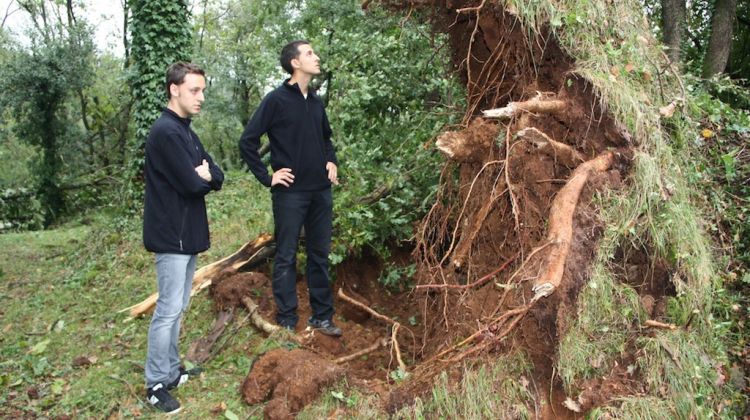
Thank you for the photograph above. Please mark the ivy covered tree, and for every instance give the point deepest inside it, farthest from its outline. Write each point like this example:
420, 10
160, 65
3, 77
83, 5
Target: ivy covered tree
160, 35
36, 83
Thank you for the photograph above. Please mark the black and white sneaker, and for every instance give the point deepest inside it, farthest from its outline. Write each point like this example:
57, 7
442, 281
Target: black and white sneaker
185, 375
325, 326
159, 397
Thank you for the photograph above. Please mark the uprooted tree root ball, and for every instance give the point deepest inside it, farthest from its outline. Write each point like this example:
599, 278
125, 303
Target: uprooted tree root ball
504, 251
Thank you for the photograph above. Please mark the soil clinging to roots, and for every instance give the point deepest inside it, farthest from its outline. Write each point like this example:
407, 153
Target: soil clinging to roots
505, 249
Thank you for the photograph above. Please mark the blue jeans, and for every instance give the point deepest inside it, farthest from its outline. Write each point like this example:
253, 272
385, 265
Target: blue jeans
174, 274
292, 211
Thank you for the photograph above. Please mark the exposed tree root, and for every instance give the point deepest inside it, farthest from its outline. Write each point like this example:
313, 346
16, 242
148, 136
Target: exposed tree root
380, 343
468, 145
535, 105
477, 283
562, 153
394, 331
561, 223
256, 318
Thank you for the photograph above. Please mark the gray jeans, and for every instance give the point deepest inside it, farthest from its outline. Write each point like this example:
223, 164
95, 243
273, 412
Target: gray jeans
174, 275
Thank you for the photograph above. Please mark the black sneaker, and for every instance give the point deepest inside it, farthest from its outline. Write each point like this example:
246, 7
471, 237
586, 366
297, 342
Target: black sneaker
325, 326
158, 396
185, 374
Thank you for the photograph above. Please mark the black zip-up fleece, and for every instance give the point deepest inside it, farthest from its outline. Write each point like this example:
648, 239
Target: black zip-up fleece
174, 214
300, 137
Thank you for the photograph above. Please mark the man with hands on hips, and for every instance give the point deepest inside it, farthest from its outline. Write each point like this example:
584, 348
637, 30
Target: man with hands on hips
304, 168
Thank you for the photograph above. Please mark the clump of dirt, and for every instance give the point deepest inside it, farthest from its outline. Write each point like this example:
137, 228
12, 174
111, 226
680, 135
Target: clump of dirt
291, 379
227, 291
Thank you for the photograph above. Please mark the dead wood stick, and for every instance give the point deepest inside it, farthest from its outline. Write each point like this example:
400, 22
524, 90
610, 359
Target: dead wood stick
562, 152
365, 308
656, 324
474, 284
381, 343
535, 105
200, 351
248, 253
396, 347
256, 318
561, 223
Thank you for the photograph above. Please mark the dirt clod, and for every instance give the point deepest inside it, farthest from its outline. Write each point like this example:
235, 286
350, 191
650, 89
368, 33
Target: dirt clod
289, 380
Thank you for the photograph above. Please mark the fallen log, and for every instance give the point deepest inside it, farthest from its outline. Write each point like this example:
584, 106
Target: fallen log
535, 105
561, 223
249, 255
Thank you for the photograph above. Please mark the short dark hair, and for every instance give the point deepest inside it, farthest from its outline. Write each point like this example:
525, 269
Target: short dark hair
177, 71
289, 53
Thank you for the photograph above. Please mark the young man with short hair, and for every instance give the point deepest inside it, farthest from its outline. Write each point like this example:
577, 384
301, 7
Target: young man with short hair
179, 173
304, 168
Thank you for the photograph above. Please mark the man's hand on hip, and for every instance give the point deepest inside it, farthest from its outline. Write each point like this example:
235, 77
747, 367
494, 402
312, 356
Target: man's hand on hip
283, 176
333, 175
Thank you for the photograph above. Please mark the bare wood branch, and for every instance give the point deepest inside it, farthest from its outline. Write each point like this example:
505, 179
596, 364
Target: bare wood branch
535, 105
656, 324
394, 341
378, 344
251, 252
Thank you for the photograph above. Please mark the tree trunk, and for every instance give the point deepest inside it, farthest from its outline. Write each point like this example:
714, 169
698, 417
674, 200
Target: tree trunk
720, 42
673, 26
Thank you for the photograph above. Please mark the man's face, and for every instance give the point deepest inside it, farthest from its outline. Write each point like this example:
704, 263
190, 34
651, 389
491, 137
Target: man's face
187, 97
307, 62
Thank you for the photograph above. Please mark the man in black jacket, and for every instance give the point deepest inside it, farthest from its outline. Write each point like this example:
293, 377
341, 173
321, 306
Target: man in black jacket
304, 167
179, 173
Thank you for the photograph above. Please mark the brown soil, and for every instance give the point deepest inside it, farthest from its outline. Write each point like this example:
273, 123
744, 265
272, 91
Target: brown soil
504, 66
289, 380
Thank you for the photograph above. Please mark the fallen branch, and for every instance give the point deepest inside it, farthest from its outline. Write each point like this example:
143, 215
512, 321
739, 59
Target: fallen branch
477, 283
381, 343
563, 153
535, 105
200, 351
656, 324
561, 223
256, 318
250, 254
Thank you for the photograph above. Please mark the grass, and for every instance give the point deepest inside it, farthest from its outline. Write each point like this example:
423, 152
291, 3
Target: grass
60, 291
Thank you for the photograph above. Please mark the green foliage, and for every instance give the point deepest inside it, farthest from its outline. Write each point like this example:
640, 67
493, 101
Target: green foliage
161, 35
35, 85
387, 99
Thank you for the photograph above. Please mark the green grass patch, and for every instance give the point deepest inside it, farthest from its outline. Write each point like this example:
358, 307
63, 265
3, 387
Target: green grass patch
61, 289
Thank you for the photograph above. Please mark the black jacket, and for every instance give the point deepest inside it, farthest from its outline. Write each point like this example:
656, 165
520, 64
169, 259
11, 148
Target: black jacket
300, 138
174, 215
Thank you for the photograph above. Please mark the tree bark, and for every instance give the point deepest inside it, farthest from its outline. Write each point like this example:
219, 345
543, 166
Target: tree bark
673, 26
720, 42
